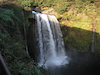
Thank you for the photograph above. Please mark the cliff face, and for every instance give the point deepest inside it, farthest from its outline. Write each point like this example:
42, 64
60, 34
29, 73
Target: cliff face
32, 41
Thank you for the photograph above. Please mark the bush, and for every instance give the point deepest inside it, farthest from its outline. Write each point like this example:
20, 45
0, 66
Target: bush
12, 45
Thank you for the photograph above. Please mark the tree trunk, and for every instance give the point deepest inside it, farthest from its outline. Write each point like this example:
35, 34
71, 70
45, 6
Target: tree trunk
93, 37
25, 37
3, 68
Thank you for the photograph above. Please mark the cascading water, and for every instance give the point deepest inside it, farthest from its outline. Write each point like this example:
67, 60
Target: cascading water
52, 51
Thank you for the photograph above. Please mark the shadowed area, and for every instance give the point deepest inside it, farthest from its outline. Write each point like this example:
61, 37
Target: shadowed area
78, 48
82, 61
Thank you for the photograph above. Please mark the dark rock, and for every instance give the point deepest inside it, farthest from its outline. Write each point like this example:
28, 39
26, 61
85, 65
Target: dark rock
32, 40
91, 1
37, 10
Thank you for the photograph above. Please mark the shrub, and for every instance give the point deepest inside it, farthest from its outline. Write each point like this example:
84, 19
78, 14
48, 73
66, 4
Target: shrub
12, 43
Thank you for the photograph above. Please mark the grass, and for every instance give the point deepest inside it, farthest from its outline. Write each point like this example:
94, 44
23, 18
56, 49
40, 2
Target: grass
78, 20
77, 17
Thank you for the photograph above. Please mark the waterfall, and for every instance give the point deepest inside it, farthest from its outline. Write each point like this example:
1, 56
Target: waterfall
51, 45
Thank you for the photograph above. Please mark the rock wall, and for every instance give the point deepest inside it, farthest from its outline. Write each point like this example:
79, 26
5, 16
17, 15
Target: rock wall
32, 40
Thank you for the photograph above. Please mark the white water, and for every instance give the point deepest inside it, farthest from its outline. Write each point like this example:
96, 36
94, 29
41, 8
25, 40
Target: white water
40, 38
50, 42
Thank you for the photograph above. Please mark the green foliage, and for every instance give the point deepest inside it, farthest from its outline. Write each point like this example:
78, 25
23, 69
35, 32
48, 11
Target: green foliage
48, 3
76, 39
26, 67
25, 3
78, 21
12, 43
60, 6
97, 43
28, 3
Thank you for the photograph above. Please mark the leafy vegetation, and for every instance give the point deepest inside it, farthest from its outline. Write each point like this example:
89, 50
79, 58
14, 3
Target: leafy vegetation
75, 16
12, 42
79, 19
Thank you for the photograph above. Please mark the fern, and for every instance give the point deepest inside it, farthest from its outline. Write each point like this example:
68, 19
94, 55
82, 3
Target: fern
6, 16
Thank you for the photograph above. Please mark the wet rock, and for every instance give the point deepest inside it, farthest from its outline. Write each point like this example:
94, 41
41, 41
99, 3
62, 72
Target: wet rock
32, 40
